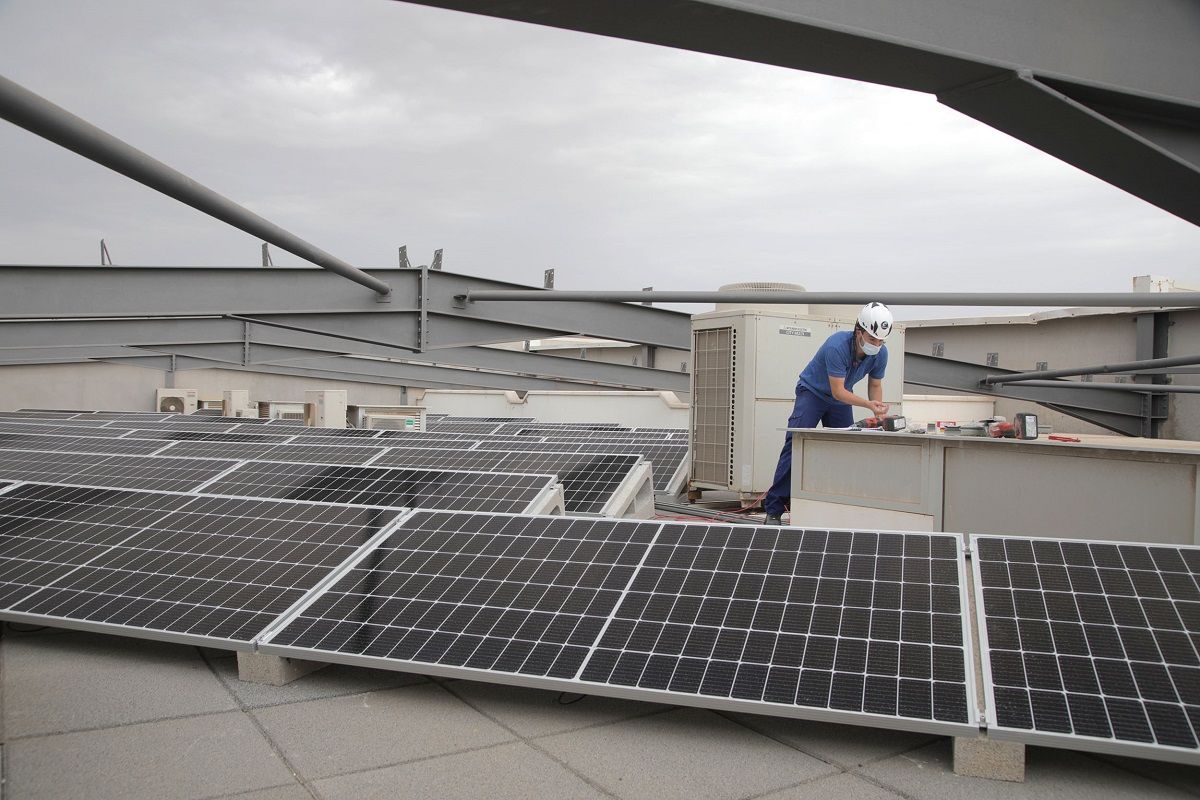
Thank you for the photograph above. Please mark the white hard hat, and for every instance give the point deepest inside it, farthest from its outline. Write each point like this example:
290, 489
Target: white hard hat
876, 319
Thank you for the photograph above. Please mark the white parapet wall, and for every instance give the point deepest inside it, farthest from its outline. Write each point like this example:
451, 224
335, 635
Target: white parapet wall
631, 409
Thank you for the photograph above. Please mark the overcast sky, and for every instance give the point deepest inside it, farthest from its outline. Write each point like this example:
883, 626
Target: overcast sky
363, 125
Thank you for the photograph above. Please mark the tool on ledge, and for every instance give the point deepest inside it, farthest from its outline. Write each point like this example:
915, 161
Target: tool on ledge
1058, 437
891, 424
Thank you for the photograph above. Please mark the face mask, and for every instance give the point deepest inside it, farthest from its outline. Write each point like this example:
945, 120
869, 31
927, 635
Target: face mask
871, 349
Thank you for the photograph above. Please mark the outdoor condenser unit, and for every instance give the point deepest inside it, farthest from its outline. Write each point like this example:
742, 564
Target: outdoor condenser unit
405, 418
280, 409
325, 408
744, 369
176, 401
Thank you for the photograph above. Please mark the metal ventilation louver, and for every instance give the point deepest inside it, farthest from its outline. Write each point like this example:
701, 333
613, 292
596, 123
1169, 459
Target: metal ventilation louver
714, 359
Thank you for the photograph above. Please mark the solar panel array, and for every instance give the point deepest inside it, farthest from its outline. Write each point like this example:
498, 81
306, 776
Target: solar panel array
857, 627
168, 565
1086, 645
241, 439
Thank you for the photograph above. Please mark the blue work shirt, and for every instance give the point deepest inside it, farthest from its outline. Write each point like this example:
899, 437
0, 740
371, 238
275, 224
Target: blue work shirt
836, 358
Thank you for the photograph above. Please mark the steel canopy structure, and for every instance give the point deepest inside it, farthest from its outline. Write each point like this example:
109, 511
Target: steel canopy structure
1111, 92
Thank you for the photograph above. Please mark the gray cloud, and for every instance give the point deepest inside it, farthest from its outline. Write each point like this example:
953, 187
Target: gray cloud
365, 125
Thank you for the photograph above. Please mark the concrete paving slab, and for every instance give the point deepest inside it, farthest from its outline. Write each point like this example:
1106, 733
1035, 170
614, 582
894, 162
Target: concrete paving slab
927, 774
179, 759
685, 753
847, 745
293, 792
513, 771
843, 786
1180, 776
339, 735
535, 712
332, 681
78, 681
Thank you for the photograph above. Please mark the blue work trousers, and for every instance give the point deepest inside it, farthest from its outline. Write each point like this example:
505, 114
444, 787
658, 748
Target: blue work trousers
809, 410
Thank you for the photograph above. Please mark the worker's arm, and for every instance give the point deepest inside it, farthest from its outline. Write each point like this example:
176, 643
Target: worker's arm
875, 394
837, 387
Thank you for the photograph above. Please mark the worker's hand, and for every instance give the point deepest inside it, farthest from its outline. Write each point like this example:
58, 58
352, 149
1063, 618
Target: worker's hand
880, 408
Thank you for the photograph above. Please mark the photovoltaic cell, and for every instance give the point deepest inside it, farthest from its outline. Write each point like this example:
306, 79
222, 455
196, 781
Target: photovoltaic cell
588, 480
1091, 645
524, 595
392, 488
173, 566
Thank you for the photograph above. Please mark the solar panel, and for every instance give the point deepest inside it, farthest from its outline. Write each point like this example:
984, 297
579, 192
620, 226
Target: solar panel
214, 417
146, 416
588, 480
168, 566
857, 627
151, 425
555, 427
175, 434
78, 444
379, 486
666, 458
23, 414
442, 426
857, 622
61, 428
523, 595
355, 433
46, 532
323, 453
1091, 645
110, 471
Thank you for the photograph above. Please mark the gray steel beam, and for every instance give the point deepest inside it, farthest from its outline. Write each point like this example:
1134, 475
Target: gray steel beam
1116, 97
397, 374
177, 335
314, 299
34, 113
1080, 299
1127, 366
1117, 411
400, 375
1144, 388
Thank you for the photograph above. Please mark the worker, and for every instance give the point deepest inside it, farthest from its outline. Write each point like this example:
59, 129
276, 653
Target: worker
824, 392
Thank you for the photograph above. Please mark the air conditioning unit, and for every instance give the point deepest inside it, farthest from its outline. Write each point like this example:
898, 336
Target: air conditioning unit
325, 408
408, 418
236, 403
745, 363
396, 422
177, 401
280, 409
